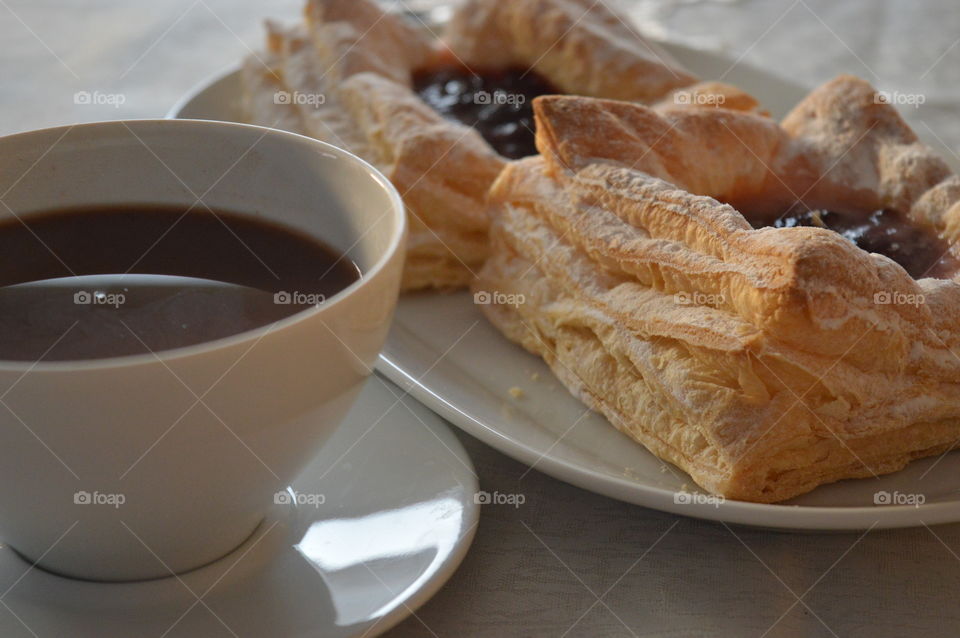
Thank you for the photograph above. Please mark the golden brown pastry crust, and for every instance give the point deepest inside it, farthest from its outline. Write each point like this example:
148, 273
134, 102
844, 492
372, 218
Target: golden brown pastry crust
344, 62
763, 362
361, 60
581, 46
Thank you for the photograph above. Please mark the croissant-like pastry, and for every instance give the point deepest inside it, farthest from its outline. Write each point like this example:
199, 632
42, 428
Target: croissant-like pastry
359, 78
762, 361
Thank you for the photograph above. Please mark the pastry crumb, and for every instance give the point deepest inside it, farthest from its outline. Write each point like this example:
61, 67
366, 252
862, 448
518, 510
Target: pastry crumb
535, 376
516, 393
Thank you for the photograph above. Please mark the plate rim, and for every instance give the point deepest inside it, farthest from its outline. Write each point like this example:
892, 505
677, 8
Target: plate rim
782, 517
229, 72
761, 515
407, 608
128, 597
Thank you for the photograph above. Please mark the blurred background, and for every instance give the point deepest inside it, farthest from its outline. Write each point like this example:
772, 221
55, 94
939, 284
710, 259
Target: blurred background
153, 52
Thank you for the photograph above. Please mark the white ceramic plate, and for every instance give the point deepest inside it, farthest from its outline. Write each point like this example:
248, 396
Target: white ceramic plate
444, 352
376, 534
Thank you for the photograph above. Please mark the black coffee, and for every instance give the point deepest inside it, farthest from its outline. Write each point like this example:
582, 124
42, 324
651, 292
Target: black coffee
105, 282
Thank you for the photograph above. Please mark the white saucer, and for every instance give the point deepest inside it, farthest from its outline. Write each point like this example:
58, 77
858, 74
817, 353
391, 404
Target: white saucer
398, 513
447, 355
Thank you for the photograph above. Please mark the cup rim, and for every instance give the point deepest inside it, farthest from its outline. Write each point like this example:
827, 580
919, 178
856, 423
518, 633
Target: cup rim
395, 244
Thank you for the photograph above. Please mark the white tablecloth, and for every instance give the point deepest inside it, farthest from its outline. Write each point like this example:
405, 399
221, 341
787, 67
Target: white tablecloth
569, 562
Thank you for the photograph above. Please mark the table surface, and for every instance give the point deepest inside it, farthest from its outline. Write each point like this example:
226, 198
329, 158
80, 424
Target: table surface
568, 562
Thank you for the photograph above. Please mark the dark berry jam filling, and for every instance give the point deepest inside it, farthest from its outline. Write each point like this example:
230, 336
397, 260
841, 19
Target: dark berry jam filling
496, 103
921, 252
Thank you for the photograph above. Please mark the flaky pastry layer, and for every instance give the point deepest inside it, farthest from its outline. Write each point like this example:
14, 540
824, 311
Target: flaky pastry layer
764, 362
361, 60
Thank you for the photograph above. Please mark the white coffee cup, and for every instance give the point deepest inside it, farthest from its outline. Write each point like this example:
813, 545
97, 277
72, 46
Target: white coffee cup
141, 466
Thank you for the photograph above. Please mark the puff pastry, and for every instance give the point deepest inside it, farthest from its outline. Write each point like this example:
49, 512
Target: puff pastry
350, 75
762, 361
